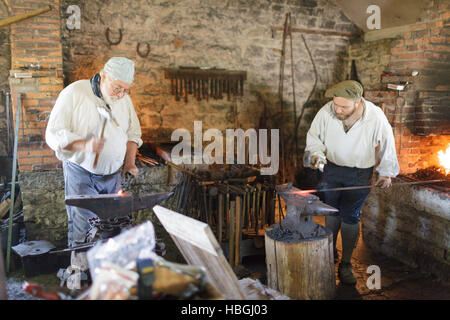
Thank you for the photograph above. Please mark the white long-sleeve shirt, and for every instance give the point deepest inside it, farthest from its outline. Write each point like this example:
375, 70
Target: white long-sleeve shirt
356, 147
75, 116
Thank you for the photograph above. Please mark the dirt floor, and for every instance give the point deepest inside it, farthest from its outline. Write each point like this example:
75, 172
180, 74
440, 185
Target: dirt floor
398, 282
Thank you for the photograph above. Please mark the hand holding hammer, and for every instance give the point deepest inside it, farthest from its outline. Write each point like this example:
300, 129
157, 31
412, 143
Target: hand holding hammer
106, 115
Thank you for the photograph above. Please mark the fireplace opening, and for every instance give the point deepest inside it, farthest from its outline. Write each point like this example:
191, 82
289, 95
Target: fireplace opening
440, 171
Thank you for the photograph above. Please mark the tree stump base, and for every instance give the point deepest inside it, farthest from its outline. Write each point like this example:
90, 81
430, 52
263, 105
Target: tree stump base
301, 269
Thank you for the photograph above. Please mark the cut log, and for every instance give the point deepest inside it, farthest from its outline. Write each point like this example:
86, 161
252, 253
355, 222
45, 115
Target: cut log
302, 269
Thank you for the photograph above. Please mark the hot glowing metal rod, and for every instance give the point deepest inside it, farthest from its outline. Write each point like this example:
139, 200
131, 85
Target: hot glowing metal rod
364, 187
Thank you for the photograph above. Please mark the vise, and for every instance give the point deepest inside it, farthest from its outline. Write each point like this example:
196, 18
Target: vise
301, 208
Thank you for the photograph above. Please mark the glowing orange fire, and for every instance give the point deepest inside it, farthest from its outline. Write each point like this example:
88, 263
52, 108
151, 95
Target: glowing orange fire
120, 193
304, 193
444, 159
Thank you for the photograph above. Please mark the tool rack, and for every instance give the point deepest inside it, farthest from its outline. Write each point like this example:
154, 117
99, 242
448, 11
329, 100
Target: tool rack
237, 210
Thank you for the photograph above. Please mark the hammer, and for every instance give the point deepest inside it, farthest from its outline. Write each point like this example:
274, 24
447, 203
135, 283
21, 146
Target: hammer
106, 115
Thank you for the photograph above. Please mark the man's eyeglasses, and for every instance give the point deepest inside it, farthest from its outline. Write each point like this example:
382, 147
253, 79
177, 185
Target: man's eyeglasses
118, 89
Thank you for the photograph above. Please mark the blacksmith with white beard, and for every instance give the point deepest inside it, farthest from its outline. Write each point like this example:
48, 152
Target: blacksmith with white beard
348, 138
74, 133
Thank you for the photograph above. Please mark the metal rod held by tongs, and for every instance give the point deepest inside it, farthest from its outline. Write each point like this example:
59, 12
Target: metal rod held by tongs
365, 187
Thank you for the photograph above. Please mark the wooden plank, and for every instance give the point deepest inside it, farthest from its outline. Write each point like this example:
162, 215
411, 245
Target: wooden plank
318, 31
188, 229
385, 33
20, 17
199, 247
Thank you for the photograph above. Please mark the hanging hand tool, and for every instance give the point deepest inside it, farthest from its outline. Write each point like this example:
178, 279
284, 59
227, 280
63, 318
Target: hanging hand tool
263, 214
176, 90
181, 87
258, 195
231, 238
238, 230
185, 91
254, 208
220, 222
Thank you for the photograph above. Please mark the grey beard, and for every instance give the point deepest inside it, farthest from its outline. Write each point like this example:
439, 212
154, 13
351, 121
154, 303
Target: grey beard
108, 99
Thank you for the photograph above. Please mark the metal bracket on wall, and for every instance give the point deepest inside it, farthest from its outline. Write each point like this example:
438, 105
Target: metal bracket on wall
109, 40
143, 54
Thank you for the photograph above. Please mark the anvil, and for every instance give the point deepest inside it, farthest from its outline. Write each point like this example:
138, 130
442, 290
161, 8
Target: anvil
300, 209
117, 205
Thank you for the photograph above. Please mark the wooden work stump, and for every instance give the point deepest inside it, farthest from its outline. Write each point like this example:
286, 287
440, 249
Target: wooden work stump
302, 269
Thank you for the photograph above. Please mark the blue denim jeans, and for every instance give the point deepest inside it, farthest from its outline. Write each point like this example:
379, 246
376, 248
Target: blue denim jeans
79, 181
348, 202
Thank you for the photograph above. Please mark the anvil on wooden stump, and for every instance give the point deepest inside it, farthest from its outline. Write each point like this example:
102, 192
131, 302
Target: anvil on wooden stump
300, 211
299, 252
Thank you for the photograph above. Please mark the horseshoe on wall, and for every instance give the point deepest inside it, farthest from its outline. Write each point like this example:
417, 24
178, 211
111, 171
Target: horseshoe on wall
138, 50
109, 40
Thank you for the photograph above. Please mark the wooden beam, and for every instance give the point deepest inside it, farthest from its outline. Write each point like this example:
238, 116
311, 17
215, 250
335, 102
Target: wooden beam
199, 247
385, 33
318, 31
20, 17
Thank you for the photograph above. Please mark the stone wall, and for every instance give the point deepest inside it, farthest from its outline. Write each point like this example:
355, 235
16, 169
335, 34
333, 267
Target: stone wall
371, 60
410, 224
230, 34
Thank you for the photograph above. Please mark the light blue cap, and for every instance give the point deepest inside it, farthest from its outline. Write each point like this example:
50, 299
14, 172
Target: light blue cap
120, 68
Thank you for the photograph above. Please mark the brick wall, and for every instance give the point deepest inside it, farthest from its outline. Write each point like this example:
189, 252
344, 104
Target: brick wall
5, 64
422, 125
420, 114
411, 223
36, 41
